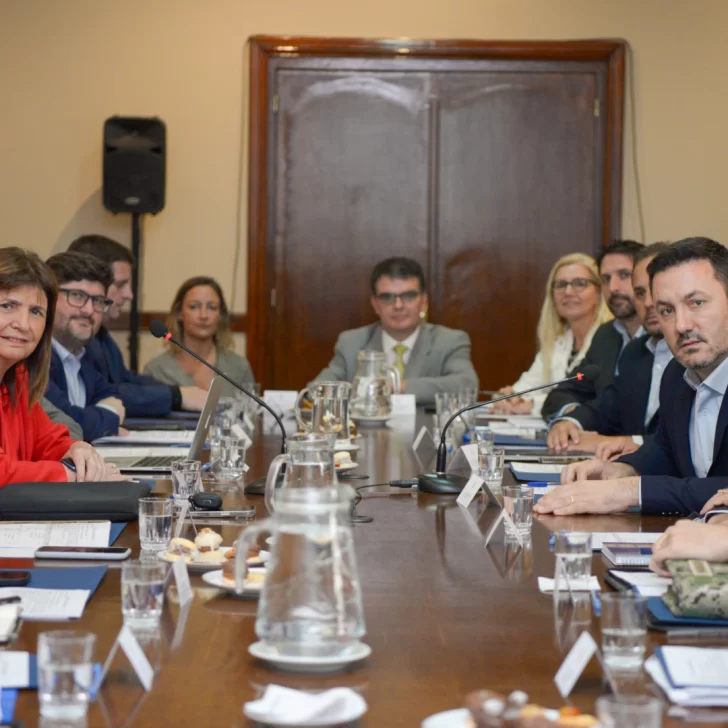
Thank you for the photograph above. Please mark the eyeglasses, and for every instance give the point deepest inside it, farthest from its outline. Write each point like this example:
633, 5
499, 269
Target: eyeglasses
578, 284
78, 299
389, 299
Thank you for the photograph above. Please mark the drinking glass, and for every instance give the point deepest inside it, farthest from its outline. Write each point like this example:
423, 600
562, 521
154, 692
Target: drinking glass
231, 458
186, 479
518, 502
65, 666
466, 397
486, 442
629, 711
624, 630
574, 550
142, 593
155, 523
491, 467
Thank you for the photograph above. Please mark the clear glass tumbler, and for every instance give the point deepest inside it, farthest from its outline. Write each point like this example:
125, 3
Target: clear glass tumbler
518, 502
155, 523
574, 550
231, 459
624, 630
186, 478
142, 593
491, 467
65, 667
629, 711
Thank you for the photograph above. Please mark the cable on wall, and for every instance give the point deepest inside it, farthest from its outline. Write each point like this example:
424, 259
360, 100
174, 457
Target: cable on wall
635, 161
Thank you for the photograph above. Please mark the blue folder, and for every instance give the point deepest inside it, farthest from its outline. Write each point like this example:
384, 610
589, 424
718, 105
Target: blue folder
116, 529
82, 577
502, 440
665, 618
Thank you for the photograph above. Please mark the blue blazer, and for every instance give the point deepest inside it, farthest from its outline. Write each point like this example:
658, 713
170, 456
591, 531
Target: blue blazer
669, 483
620, 408
95, 421
142, 396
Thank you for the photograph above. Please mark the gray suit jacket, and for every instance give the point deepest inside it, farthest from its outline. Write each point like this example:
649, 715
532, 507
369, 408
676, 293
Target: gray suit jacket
439, 362
58, 417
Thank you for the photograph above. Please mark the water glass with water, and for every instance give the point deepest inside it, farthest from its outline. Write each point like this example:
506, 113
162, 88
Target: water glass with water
629, 711
142, 593
230, 458
491, 467
486, 442
65, 667
624, 630
574, 550
186, 478
518, 502
155, 523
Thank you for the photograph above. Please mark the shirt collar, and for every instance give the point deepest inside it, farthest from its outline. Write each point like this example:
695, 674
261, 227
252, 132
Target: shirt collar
717, 381
622, 329
654, 345
388, 342
65, 354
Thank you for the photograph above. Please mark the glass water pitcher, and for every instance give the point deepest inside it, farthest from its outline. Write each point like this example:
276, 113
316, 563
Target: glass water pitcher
311, 603
373, 385
330, 414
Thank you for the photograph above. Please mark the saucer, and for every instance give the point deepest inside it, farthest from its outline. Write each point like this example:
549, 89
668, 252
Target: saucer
357, 651
373, 420
460, 718
344, 447
344, 468
216, 578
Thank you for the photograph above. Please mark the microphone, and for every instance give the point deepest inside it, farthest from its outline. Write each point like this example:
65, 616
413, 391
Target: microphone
443, 483
158, 329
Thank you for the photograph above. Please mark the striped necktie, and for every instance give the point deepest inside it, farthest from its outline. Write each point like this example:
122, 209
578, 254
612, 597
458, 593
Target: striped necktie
399, 350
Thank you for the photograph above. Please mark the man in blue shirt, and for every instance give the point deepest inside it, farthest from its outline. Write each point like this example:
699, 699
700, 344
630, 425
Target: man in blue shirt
143, 396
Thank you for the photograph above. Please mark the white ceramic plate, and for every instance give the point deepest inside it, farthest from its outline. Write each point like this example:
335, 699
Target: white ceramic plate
460, 718
377, 419
199, 567
351, 447
215, 578
344, 468
357, 651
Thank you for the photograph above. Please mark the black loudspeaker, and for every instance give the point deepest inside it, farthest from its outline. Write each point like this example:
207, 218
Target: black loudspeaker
134, 164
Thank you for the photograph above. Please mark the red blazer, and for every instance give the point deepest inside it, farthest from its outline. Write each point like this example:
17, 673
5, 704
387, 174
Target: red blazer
31, 446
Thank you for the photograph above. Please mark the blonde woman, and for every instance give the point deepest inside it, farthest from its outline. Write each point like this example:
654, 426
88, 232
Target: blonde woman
200, 320
572, 311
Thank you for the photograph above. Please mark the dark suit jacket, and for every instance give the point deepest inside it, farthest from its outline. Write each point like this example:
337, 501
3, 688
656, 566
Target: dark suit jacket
142, 396
604, 352
95, 421
620, 408
669, 483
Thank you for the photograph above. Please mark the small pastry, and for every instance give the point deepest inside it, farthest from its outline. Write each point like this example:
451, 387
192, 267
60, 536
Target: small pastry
342, 458
207, 540
209, 557
174, 557
181, 546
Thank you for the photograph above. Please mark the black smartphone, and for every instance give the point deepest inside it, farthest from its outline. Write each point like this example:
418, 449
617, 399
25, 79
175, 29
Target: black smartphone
14, 578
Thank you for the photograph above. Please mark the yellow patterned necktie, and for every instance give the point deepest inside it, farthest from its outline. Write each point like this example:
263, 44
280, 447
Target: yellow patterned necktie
399, 350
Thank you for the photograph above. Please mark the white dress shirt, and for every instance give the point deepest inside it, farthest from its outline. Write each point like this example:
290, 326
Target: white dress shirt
72, 368
662, 357
388, 344
626, 338
704, 415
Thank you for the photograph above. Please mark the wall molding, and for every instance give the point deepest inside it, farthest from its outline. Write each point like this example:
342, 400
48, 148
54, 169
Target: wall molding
239, 321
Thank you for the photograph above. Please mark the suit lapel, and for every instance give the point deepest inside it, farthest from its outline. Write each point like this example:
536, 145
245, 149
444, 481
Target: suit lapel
643, 382
375, 339
58, 373
683, 405
420, 352
720, 430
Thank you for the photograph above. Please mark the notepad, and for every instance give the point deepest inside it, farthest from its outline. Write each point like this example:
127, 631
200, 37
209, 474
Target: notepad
644, 583
536, 471
49, 604
622, 537
21, 539
627, 554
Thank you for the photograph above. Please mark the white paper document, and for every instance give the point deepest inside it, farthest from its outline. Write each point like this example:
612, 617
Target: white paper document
33, 535
613, 537
14, 669
546, 585
149, 437
139, 451
49, 604
645, 582
710, 667
527, 422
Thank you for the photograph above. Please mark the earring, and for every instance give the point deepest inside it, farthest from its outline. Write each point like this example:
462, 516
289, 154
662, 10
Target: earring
423, 315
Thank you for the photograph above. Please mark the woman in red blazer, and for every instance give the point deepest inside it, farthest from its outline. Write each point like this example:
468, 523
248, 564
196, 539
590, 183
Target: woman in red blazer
31, 446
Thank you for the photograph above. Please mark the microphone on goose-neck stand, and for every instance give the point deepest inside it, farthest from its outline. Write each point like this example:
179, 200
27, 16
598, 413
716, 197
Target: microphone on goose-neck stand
158, 329
442, 482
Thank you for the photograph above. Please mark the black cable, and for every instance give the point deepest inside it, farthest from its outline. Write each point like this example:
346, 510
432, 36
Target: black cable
355, 517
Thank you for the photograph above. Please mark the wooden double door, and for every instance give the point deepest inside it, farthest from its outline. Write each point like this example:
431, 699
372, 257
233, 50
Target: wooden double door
484, 162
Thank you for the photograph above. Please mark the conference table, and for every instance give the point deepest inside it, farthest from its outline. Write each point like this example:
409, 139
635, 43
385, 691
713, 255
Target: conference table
445, 615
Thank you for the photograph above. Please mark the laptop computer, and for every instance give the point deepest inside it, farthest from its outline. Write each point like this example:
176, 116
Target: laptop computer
159, 460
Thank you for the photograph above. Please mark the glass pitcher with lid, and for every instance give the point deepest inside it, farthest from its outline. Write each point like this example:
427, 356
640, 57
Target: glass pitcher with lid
330, 413
310, 604
373, 385
309, 463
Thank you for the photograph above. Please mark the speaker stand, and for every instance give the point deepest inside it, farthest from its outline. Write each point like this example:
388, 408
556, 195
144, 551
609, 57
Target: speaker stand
136, 244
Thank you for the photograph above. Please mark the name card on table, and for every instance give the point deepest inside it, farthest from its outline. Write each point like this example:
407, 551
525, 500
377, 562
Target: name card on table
505, 519
281, 401
404, 405
181, 518
471, 489
182, 579
424, 440
239, 431
575, 663
465, 458
139, 661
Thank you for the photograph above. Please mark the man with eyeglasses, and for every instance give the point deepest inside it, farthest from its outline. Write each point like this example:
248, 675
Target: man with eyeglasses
429, 358
76, 386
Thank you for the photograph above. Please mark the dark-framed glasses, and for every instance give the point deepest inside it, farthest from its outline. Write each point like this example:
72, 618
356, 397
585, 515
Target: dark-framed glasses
78, 299
578, 284
389, 299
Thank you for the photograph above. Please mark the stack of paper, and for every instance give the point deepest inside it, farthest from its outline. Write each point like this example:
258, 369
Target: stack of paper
21, 539
537, 472
49, 604
691, 676
613, 537
644, 583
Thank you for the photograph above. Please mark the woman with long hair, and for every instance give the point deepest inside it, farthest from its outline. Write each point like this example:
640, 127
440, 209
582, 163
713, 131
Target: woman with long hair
572, 311
200, 319
31, 446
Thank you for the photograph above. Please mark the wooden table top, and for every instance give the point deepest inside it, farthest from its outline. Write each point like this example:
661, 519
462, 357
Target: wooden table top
444, 614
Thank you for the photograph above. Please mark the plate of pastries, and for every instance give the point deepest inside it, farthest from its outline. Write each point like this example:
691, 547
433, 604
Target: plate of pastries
225, 578
206, 552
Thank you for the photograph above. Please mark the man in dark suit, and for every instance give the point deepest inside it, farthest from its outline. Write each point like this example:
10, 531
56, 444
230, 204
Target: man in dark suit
429, 358
627, 409
142, 396
75, 386
686, 462
615, 262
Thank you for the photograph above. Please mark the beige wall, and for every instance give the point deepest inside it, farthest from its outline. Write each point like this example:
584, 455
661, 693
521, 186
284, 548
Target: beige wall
66, 65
